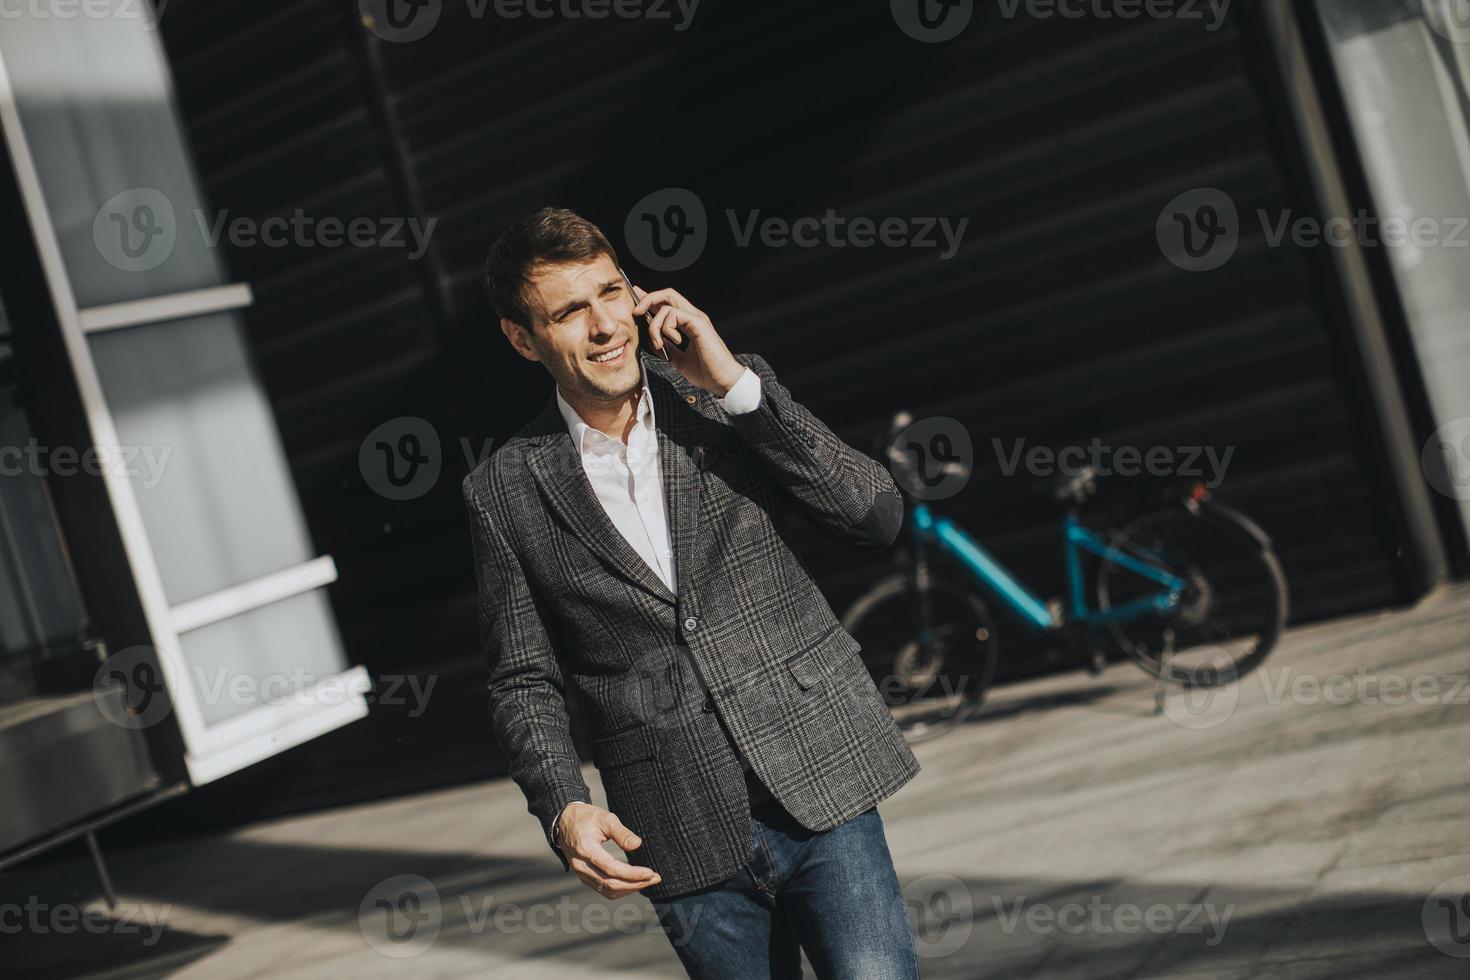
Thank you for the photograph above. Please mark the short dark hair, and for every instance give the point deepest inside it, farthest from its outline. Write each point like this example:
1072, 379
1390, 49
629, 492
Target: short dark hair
548, 235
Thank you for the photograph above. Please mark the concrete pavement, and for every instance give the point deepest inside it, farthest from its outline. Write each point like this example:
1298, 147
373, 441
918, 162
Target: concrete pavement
1298, 825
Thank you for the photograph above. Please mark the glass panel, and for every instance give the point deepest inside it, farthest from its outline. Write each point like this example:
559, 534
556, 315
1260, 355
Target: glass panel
1406, 81
208, 469
263, 655
198, 441
95, 101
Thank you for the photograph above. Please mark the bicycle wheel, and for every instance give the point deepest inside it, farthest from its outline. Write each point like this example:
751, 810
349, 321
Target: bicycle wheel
930, 686
1231, 609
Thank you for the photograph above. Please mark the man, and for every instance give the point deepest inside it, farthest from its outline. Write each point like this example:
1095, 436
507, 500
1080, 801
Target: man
631, 542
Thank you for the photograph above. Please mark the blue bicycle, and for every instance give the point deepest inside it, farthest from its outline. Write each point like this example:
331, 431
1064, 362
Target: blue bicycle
1192, 592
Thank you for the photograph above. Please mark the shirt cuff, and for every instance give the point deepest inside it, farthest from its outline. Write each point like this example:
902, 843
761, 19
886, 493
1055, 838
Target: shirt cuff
744, 396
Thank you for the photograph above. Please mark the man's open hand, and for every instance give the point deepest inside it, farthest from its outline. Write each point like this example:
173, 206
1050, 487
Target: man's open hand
706, 361
583, 828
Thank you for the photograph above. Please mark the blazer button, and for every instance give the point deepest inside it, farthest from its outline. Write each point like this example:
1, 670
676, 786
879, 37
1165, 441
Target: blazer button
691, 624
709, 704
691, 399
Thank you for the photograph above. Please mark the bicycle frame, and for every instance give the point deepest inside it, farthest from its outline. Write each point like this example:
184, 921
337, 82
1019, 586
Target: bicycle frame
949, 537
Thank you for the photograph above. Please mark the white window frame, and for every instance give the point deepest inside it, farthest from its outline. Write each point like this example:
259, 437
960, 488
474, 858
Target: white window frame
211, 750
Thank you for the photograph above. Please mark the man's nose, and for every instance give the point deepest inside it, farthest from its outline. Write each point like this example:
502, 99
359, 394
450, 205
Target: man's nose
603, 321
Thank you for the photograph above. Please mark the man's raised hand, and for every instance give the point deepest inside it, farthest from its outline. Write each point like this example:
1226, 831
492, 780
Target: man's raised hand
706, 361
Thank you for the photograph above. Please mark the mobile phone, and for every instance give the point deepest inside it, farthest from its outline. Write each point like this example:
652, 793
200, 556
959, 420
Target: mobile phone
645, 321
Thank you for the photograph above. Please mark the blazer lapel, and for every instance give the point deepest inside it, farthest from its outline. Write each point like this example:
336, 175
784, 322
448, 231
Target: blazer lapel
558, 472
678, 438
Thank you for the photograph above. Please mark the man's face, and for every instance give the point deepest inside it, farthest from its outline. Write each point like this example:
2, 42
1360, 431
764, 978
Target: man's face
581, 328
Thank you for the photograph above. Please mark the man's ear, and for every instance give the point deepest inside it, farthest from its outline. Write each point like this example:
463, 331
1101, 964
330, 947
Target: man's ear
519, 339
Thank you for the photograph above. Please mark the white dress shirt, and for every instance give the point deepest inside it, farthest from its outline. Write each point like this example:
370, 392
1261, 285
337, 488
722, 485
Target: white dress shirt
628, 478
628, 481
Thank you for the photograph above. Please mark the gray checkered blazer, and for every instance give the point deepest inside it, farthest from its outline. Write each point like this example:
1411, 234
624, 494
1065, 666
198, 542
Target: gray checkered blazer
748, 653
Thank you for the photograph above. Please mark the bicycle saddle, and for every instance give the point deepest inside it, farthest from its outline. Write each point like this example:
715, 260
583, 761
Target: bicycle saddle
1076, 486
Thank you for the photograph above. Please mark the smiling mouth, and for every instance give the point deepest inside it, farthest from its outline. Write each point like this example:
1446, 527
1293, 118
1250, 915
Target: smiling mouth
611, 356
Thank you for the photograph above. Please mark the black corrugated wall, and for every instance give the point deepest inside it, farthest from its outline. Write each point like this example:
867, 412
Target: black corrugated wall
1058, 321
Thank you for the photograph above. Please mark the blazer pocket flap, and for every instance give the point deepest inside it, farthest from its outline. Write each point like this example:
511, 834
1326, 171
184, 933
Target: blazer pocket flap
818, 660
623, 748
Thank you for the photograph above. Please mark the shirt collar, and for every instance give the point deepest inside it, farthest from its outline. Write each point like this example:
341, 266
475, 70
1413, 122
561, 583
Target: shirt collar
586, 436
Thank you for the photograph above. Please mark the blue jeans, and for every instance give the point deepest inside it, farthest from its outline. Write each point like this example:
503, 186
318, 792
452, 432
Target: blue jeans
832, 893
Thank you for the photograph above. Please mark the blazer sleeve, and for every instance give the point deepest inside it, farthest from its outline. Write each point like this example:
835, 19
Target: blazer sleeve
528, 712
845, 493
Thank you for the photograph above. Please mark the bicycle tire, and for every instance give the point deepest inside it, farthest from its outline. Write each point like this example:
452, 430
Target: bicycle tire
886, 604
1259, 564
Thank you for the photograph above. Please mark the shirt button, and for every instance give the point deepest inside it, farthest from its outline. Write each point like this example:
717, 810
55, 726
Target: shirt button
692, 623
668, 554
